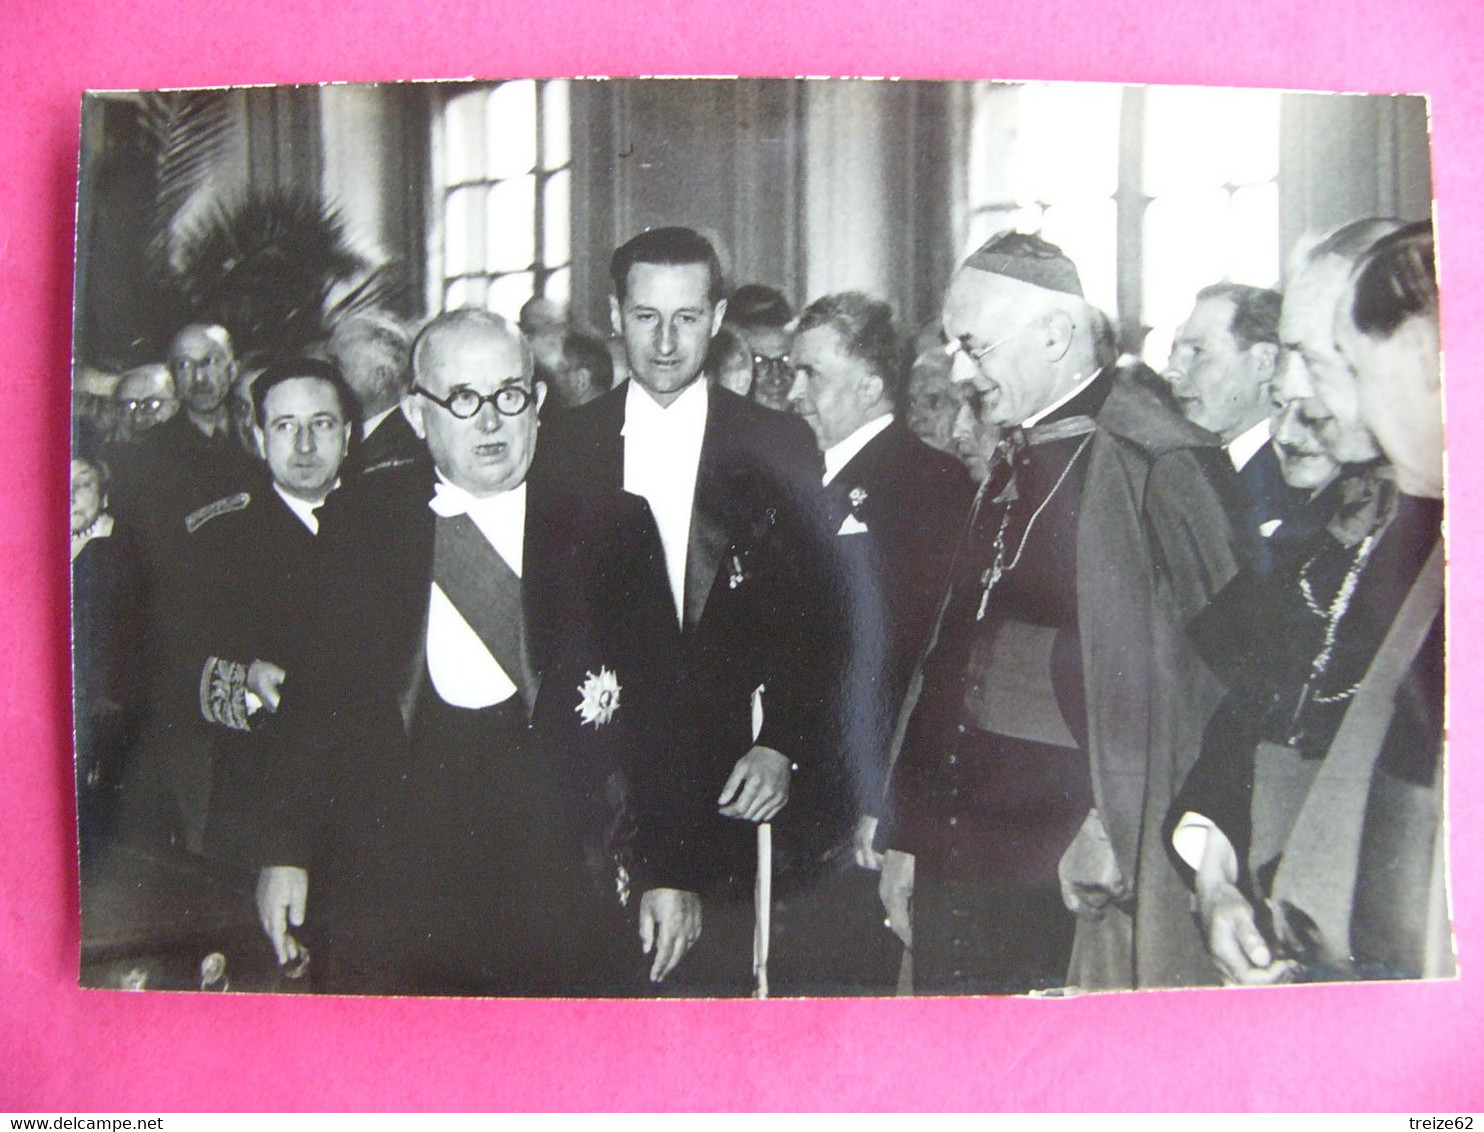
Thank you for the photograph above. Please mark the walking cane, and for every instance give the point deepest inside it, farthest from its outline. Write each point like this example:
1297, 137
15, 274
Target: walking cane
762, 892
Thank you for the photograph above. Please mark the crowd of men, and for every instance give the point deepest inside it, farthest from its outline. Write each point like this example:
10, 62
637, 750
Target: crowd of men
501, 660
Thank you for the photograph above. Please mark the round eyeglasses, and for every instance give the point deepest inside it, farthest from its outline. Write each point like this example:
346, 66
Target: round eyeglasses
508, 401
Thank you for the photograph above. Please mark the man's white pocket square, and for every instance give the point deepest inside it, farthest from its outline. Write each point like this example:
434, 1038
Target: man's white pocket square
852, 526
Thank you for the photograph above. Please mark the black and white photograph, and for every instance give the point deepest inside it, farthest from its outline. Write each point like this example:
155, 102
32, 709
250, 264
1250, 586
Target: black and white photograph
723, 538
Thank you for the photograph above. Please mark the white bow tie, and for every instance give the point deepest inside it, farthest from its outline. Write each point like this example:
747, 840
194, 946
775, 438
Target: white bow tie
449, 501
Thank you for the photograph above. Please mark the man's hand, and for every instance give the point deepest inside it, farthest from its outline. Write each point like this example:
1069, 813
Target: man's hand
669, 925
1089, 872
1236, 945
1233, 938
758, 787
265, 680
865, 844
283, 893
898, 871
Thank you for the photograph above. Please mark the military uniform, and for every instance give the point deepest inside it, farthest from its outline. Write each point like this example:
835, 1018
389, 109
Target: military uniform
174, 472
258, 580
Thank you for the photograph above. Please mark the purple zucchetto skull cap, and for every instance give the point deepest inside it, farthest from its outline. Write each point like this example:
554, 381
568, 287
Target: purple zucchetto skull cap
1030, 259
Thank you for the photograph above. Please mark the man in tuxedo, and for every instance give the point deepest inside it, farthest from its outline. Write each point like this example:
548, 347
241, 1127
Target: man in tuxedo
374, 354
446, 765
732, 487
894, 508
1220, 373
1060, 704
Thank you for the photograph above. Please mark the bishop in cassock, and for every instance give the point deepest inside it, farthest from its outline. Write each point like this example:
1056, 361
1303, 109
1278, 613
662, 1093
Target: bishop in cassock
1059, 698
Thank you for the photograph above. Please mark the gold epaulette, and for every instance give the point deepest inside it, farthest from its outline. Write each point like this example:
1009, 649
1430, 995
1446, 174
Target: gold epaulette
203, 515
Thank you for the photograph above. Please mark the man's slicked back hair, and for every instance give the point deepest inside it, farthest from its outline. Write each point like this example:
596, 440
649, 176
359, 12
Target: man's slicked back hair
669, 247
281, 370
386, 337
1255, 311
1396, 281
754, 305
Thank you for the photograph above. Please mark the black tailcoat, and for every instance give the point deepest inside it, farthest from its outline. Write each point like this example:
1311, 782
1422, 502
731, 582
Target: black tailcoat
346, 773
754, 616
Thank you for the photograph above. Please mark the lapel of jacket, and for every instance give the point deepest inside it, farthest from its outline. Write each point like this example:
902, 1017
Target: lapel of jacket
607, 453
415, 573
871, 465
713, 511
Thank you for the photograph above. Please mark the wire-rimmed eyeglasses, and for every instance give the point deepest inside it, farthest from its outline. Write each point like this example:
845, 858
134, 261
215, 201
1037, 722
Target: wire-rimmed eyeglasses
508, 401
955, 346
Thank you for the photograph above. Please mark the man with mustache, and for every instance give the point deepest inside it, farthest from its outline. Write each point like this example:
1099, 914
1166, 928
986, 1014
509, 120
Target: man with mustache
162, 483
1303, 655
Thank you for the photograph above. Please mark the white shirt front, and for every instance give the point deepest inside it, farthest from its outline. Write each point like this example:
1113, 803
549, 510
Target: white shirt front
304, 509
1250, 443
464, 672
838, 455
661, 458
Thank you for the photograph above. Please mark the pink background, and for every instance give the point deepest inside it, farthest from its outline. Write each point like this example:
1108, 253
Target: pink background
1374, 1047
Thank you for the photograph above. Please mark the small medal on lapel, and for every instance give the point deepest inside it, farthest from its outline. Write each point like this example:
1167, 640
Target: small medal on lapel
735, 575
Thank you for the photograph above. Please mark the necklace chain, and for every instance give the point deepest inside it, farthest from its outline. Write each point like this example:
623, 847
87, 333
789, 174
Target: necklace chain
998, 569
1332, 615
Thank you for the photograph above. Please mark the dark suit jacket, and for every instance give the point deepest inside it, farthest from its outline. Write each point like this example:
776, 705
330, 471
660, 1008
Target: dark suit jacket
753, 617
1268, 498
339, 769
392, 444
1261, 639
894, 515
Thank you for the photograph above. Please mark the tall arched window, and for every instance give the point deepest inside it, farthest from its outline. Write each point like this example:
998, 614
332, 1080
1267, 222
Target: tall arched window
502, 173
1154, 192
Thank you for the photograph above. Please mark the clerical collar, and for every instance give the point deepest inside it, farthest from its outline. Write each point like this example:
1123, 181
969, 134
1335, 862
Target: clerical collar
839, 455
1036, 418
1246, 446
371, 424
101, 527
642, 413
304, 509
